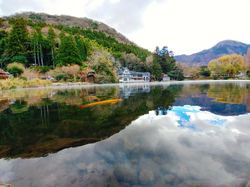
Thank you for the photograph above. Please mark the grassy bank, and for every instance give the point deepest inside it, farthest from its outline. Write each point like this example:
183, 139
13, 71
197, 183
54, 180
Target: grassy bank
16, 83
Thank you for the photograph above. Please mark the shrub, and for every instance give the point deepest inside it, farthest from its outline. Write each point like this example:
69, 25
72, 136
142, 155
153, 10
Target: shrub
62, 77
42, 69
15, 68
30, 74
70, 80
24, 78
94, 25
65, 72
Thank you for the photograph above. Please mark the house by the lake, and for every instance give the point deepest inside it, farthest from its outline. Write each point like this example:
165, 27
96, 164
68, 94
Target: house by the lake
5, 75
125, 75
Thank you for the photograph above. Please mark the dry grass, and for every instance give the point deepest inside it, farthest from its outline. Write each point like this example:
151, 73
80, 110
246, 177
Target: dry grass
16, 83
31, 74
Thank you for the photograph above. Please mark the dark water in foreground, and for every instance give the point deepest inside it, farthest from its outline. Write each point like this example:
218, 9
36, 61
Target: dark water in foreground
127, 135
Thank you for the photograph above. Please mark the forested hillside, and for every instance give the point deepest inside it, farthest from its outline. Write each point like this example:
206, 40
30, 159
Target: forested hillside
47, 42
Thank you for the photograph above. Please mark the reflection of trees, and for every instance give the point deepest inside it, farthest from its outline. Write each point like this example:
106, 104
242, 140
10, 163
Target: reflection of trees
49, 126
228, 93
230, 98
224, 93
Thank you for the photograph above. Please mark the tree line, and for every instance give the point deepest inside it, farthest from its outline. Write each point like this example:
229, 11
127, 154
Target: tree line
74, 45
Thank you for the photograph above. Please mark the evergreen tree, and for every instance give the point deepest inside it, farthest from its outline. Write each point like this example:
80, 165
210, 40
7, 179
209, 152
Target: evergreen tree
156, 70
83, 46
167, 64
52, 42
62, 35
68, 52
18, 42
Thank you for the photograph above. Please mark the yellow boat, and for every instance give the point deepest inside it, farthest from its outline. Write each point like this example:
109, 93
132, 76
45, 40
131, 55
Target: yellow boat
112, 101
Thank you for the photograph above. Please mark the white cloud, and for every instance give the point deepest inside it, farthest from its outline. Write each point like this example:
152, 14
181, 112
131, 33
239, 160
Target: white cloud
190, 26
94, 4
114, 1
184, 26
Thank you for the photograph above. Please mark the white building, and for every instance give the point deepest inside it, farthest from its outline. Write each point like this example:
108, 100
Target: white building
125, 75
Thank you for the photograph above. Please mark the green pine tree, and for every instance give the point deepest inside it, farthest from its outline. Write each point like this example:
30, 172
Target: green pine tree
156, 70
62, 35
18, 42
68, 53
83, 46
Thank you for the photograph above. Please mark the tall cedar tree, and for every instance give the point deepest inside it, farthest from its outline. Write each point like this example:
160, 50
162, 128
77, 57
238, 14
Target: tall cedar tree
83, 46
68, 53
62, 35
18, 41
52, 43
39, 43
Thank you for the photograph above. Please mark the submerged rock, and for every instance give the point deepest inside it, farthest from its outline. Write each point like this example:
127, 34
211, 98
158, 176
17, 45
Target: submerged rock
125, 173
129, 145
169, 178
90, 168
146, 176
81, 166
158, 160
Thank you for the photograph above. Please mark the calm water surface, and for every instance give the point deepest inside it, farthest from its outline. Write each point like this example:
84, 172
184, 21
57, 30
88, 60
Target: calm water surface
127, 135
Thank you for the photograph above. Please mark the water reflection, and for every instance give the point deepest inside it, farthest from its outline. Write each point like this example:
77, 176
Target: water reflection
153, 150
127, 90
38, 123
154, 135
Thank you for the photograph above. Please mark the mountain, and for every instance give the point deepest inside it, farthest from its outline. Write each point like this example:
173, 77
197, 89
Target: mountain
71, 21
93, 44
226, 47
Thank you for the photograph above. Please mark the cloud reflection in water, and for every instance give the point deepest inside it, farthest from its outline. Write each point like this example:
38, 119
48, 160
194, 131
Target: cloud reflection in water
185, 146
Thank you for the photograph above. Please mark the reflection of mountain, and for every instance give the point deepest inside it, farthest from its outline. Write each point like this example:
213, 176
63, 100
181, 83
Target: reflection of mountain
207, 104
127, 90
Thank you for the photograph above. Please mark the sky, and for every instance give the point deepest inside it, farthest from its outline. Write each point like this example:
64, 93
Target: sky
184, 26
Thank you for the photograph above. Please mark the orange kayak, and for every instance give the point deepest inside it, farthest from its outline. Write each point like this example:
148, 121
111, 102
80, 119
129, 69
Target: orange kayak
112, 101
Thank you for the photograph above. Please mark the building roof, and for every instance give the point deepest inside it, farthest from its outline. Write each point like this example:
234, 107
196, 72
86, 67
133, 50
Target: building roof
123, 69
131, 72
3, 72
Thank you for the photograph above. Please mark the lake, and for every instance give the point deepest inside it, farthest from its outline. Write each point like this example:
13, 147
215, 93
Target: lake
156, 134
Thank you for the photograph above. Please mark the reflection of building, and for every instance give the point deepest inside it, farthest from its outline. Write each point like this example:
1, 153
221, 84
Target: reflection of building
127, 90
125, 75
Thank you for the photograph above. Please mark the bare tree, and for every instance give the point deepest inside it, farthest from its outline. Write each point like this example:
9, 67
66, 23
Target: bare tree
185, 67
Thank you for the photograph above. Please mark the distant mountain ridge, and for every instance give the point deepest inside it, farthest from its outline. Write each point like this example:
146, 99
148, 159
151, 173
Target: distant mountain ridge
70, 21
226, 47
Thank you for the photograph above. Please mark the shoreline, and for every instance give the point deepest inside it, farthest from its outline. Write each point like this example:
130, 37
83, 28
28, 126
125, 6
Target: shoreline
79, 84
